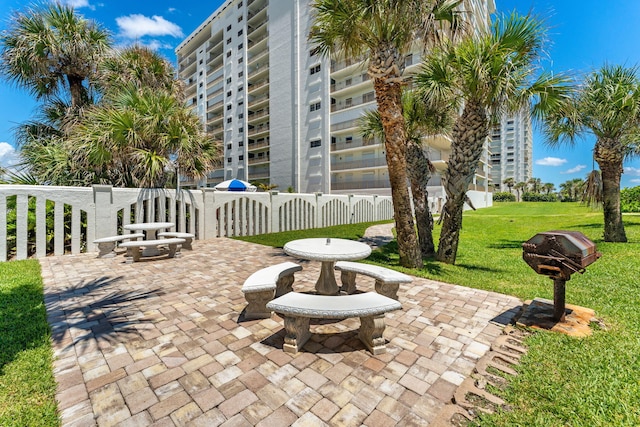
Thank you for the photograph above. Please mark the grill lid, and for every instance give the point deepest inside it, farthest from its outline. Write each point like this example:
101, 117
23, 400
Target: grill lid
559, 253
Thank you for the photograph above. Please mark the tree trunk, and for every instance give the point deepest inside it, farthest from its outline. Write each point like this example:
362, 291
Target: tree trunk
78, 91
608, 154
419, 175
388, 90
469, 134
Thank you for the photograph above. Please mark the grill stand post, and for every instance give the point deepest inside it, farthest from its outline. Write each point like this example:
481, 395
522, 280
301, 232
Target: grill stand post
558, 299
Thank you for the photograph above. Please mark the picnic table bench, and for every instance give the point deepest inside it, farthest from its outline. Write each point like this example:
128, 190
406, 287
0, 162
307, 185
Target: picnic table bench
107, 245
265, 284
188, 237
387, 280
133, 247
298, 308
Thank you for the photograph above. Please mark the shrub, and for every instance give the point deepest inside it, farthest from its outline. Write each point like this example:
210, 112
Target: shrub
630, 199
537, 197
503, 196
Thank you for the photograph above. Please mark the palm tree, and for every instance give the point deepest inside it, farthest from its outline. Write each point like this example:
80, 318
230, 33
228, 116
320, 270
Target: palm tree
489, 74
420, 121
50, 50
383, 32
572, 189
509, 182
548, 187
132, 138
606, 105
520, 186
535, 184
43, 153
140, 66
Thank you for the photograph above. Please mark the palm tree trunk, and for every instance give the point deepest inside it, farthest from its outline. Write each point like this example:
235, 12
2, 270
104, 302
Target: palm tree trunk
469, 134
388, 96
78, 92
419, 174
609, 158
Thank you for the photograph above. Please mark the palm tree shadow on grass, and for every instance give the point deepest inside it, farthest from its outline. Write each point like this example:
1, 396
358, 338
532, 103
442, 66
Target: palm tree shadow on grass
109, 314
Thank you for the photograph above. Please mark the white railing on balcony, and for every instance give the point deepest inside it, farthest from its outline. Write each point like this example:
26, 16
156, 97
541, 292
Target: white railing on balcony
46, 220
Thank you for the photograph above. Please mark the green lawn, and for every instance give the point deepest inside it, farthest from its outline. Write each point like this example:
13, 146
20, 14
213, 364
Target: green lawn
27, 386
562, 381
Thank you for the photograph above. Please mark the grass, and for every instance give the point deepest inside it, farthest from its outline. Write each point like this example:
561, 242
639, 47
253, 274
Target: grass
562, 381
27, 386
277, 240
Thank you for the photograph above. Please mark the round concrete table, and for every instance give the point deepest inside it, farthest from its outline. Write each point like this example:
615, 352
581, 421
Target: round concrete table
150, 229
327, 251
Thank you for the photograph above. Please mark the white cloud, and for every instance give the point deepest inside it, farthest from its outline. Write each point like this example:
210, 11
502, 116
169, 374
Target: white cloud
632, 171
8, 155
575, 169
635, 181
136, 26
77, 4
157, 45
551, 161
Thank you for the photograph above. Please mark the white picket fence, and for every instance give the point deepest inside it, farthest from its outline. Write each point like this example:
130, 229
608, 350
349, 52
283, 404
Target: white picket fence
44, 220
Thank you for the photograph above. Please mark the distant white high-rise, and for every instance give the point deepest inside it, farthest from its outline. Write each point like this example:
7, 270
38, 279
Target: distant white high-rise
512, 150
287, 116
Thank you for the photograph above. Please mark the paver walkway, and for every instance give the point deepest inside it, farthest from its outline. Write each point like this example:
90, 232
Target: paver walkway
162, 342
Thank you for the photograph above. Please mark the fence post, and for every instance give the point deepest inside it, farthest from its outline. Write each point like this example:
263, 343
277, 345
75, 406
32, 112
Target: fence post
209, 219
106, 224
275, 214
318, 218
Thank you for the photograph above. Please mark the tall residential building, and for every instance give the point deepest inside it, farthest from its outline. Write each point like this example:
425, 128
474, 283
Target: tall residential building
512, 150
287, 116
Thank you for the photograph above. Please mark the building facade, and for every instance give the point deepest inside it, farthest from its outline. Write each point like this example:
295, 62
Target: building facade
512, 150
287, 116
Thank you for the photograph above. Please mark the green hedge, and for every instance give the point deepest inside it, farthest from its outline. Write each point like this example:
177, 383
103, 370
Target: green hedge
503, 196
536, 197
630, 199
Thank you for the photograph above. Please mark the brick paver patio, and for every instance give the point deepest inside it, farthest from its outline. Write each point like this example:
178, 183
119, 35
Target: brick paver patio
162, 342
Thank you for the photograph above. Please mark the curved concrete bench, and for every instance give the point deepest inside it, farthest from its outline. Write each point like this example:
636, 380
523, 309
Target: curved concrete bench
263, 285
387, 280
297, 308
188, 237
107, 245
133, 248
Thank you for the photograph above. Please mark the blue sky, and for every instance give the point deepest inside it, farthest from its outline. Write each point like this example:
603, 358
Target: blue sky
583, 36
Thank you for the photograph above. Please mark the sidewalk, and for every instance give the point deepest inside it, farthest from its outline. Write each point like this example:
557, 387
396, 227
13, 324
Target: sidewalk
159, 343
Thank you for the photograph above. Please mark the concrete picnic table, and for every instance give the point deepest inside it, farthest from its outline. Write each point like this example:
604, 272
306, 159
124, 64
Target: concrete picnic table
150, 228
327, 251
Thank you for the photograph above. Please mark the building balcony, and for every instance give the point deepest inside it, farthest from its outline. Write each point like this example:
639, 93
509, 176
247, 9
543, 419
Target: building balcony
355, 143
258, 130
350, 85
253, 87
261, 143
344, 126
187, 62
352, 102
343, 65
213, 105
258, 114
259, 175
359, 164
257, 42
439, 142
258, 160
258, 101
359, 185
214, 129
